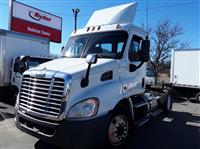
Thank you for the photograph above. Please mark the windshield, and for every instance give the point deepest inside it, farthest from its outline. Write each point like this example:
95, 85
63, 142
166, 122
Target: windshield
105, 45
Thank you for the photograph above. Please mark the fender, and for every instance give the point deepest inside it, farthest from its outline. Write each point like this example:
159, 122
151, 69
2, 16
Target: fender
108, 98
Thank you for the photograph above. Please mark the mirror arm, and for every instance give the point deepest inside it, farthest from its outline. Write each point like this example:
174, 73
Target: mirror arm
134, 67
138, 66
85, 80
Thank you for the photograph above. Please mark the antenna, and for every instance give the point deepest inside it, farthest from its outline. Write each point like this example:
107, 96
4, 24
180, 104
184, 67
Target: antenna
75, 13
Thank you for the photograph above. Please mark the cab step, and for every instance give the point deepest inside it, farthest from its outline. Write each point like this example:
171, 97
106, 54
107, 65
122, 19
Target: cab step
141, 122
156, 112
140, 104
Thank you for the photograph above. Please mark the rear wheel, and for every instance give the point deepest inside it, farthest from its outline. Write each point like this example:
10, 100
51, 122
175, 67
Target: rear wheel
119, 127
168, 102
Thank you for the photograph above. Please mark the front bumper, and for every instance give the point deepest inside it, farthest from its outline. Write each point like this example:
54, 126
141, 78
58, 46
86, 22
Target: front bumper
88, 133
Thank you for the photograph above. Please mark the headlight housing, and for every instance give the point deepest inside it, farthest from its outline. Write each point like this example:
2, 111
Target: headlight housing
67, 89
84, 109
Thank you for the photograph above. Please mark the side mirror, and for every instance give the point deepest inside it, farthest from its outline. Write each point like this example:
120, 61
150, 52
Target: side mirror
22, 67
16, 67
19, 67
24, 58
132, 68
145, 48
91, 59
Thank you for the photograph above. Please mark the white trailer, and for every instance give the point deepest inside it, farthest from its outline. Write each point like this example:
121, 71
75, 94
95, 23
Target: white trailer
12, 45
185, 73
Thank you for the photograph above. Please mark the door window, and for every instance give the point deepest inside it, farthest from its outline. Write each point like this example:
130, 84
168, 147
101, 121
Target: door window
134, 50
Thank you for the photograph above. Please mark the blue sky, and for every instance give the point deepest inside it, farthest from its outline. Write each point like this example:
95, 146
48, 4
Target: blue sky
186, 13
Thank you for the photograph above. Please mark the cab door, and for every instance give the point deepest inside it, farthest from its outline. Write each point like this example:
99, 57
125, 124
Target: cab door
134, 70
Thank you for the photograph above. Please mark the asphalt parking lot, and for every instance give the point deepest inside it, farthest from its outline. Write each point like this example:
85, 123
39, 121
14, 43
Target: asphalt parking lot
179, 130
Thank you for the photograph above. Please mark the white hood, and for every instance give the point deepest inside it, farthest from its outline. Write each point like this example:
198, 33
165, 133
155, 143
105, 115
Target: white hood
74, 66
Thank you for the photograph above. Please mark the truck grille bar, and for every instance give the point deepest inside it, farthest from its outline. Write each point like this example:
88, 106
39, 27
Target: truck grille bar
43, 96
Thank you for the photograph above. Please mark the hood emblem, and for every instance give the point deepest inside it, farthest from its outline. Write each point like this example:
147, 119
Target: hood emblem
40, 75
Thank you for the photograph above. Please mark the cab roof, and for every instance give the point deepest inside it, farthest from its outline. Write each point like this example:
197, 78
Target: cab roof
111, 19
122, 14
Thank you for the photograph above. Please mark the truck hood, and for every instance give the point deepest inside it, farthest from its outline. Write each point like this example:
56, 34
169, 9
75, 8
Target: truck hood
76, 66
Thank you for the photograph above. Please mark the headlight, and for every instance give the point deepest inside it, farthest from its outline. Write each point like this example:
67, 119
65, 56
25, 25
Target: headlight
83, 109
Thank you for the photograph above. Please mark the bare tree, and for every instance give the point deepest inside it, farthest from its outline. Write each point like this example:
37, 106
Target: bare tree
164, 38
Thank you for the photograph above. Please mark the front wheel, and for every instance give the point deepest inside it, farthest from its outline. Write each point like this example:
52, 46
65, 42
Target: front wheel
198, 97
119, 127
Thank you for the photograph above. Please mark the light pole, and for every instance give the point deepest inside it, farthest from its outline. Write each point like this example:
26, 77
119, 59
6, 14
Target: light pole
10, 13
75, 13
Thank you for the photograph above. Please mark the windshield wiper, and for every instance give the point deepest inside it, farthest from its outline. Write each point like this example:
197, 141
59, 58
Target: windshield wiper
63, 56
107, 55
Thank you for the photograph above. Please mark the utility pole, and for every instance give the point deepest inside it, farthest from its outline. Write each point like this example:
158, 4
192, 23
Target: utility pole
10, 13
75, 13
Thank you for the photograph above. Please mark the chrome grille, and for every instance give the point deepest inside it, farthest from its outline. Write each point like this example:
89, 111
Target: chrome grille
42, 96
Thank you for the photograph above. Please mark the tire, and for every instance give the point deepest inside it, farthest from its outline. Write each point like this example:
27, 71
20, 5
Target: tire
119, 127
168, 102
13, 95
198, 97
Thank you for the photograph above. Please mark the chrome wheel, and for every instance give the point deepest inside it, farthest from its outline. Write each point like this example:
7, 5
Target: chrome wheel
118, 130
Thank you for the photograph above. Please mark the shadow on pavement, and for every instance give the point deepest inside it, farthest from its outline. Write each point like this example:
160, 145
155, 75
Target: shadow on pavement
178, 130
1, 107
180, 100
4, 115
42, 145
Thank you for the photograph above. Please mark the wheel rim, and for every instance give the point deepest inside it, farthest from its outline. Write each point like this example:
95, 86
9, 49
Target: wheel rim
118, 130
169, 102
198, 97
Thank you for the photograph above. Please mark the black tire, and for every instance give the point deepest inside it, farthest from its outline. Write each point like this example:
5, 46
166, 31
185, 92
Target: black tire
198, 97
13, 95
119, 127
167, 106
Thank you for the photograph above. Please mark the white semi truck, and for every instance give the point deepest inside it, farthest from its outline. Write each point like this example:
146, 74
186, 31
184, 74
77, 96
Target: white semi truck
185, 73
17, 51
95, 93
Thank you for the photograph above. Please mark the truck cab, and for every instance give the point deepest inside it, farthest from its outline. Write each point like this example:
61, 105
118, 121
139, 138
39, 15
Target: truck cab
94, 93
23, 63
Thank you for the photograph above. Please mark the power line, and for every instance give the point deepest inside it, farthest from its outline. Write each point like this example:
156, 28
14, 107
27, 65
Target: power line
168, 6
149, 8
142, 9
92, 1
